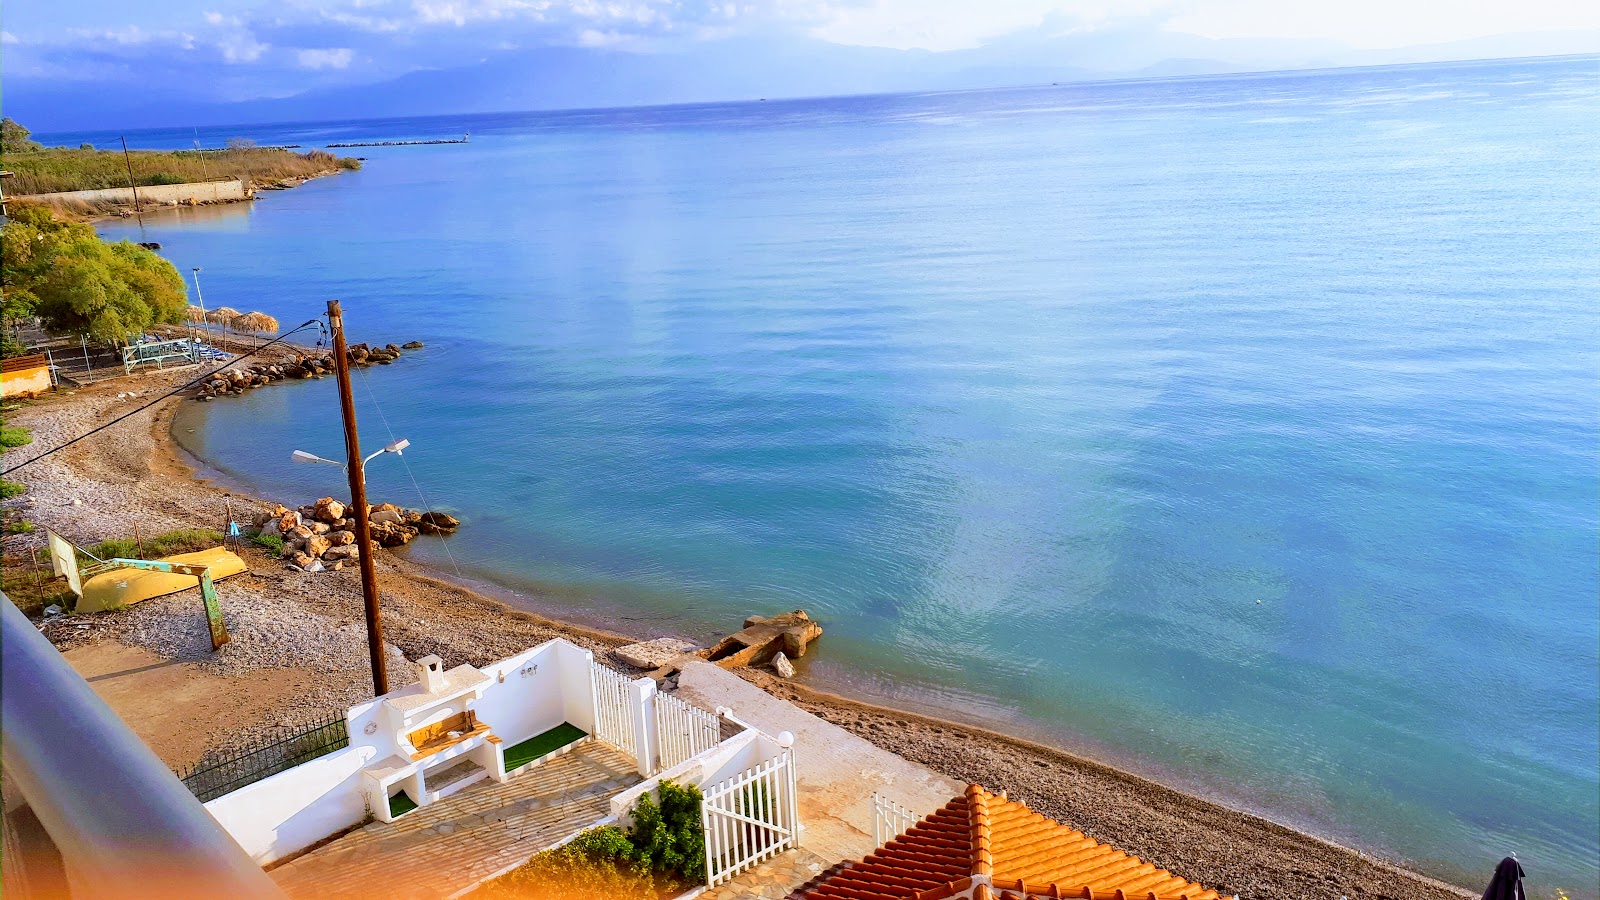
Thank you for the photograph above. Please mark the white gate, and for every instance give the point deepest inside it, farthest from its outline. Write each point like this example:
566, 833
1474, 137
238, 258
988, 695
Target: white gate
683, 730
613, 708
890, 819
749, 818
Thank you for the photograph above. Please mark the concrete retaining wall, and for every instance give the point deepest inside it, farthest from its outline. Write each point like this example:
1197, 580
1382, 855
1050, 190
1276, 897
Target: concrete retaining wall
155, 194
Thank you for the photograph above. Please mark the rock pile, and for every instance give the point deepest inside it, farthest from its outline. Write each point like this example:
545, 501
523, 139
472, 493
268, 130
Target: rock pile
322, 535
237, 381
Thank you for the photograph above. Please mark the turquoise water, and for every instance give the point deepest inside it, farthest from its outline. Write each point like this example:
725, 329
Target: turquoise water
1242, 430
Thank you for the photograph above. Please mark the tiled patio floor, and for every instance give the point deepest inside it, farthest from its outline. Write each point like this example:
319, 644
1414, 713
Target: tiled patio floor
772, 880
440, 849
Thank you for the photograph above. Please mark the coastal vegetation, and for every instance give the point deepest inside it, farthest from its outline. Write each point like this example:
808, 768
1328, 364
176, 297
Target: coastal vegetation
183, 540
660, 855
11, 438
39, 170
77, 283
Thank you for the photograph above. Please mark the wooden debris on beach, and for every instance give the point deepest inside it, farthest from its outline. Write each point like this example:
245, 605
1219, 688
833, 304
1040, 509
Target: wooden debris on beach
762, 638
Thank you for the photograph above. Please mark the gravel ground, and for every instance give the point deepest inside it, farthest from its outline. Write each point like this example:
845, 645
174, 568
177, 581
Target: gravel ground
282, 621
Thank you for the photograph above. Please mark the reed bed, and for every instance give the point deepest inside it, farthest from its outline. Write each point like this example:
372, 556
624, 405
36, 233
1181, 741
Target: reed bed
61, 169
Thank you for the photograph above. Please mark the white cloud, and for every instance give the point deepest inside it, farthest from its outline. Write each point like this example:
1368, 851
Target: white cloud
955, 24
329, 58
1376, 24
7, 37
241, 48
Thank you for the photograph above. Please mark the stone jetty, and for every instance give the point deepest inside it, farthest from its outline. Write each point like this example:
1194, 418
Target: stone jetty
238, 380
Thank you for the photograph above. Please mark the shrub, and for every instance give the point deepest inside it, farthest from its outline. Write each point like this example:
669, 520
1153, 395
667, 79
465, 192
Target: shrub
270, 541
22, 527
668, 837
184, 540
125, 549
9, 489
14, 437
660, 855
567, 873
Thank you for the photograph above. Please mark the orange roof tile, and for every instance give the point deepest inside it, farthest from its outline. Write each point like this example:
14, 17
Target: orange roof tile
1009, 851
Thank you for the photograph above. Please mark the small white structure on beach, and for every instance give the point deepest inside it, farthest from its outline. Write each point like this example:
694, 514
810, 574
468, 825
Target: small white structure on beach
451, 729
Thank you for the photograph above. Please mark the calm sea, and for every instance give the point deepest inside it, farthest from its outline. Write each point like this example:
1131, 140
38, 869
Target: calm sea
1240, 430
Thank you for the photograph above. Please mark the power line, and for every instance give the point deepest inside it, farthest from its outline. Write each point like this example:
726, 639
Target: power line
186, 385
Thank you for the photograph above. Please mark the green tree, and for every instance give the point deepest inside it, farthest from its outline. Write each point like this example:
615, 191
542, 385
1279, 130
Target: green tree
79, 284
14, 137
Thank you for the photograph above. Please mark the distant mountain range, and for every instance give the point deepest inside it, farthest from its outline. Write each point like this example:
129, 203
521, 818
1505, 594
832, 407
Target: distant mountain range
742, 69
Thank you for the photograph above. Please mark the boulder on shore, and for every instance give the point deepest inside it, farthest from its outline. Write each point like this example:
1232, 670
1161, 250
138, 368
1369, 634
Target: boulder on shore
782, 665
328, 509
411, 345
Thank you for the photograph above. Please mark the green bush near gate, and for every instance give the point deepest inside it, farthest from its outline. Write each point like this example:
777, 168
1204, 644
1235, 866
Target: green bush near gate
661, 855
14, 437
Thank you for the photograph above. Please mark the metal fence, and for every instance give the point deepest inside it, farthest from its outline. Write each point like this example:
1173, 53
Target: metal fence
210, 779
890, 819
684, 730
750, 817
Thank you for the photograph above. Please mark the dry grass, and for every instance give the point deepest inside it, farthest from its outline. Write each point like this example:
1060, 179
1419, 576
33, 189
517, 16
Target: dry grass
48, 171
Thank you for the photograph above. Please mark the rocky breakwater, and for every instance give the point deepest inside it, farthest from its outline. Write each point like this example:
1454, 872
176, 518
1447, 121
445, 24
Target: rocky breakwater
321, 535
238, 380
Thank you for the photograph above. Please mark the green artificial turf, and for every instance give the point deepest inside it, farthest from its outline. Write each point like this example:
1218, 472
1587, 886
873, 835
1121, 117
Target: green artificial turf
537, 746
400, 804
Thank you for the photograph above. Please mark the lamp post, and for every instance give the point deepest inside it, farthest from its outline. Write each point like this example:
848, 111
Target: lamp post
369, 572
202, 298
197, 295
396, 448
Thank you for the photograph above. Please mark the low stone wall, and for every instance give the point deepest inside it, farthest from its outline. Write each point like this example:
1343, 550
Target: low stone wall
156, 194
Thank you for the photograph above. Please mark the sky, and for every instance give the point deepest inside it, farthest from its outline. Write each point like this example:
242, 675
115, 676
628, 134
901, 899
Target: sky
94, 59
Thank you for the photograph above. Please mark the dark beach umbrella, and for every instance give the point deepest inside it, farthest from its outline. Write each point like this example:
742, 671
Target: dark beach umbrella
1507, 881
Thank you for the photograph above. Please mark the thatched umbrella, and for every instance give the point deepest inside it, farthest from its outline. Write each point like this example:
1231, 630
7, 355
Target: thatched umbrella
194, 314
222, 315
254, 323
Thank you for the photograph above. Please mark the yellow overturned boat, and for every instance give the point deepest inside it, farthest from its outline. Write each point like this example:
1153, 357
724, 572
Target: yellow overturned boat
124, 586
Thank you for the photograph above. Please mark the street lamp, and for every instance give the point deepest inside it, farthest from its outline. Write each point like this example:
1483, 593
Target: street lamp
197, 295
396, 448
201, 297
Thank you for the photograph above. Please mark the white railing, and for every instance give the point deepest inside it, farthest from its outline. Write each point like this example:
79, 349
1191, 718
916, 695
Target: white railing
750, 817
890, 819
683, 730
613, 708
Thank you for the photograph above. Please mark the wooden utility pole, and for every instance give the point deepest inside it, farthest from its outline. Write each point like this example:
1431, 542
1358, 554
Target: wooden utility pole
358, 502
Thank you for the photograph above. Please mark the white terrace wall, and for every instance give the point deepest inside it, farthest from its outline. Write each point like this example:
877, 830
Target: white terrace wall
197, 191
292, 810
521, 703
